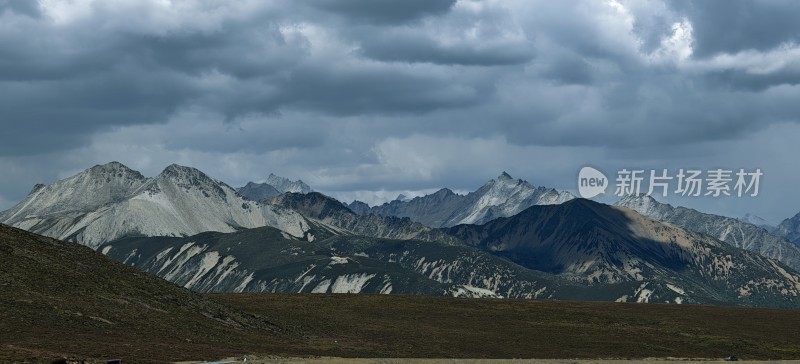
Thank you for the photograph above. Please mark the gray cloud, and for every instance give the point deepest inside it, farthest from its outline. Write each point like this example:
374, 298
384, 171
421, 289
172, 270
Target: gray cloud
367, 96
385, 11
491, 37
22, 7
730, 26
410, 48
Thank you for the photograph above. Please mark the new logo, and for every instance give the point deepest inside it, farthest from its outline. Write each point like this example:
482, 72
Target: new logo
591, 182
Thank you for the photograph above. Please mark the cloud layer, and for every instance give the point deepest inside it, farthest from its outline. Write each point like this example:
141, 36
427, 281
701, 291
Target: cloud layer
363, 96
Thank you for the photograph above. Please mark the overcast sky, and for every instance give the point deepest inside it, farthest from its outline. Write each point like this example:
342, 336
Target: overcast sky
368, 98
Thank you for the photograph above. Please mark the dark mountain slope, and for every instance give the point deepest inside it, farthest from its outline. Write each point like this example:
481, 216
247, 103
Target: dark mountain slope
596, 243
60, 298
332, 212
732, 231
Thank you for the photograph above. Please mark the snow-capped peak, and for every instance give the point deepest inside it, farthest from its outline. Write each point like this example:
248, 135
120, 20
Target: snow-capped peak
642, 203
504, 176
110, 201
85, 191
284, 184
507, 196
755, 220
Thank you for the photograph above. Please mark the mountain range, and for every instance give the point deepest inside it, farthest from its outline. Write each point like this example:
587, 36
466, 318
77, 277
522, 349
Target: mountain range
790, 228
757, 221
66, 302
500, 197
274, 186
110, 201
733, 231
577, 250
507, 239
599, 244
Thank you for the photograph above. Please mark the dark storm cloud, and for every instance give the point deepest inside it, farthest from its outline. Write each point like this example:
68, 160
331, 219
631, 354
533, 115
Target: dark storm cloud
51, 115
730, 26
569, 70
22, 7
658, 114
415, 48
461, 37
378, 91
752, 82
554, 69
202, 130
385, 11
244, 51
372, 95
69, 81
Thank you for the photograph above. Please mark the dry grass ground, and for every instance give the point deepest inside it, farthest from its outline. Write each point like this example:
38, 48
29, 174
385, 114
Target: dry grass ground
331, 360
63, 300
430, 327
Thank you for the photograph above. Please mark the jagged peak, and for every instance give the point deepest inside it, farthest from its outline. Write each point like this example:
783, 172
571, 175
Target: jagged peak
444, 192
640, 198
505, 179
189, 175
113, 167
284, 184
275, 177
648, 205
112, 172
36, 188
176, 169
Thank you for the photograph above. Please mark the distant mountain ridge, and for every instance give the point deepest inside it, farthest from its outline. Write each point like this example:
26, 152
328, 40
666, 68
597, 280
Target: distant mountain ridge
111, 201
733, 231
599, 244
500, 197
274, 186
790, 228
284, 185
331, 212
577, 250
758, 221
258, 191
200, 233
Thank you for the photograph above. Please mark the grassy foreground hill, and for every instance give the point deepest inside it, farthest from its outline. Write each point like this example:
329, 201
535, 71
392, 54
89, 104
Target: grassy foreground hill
61, 299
